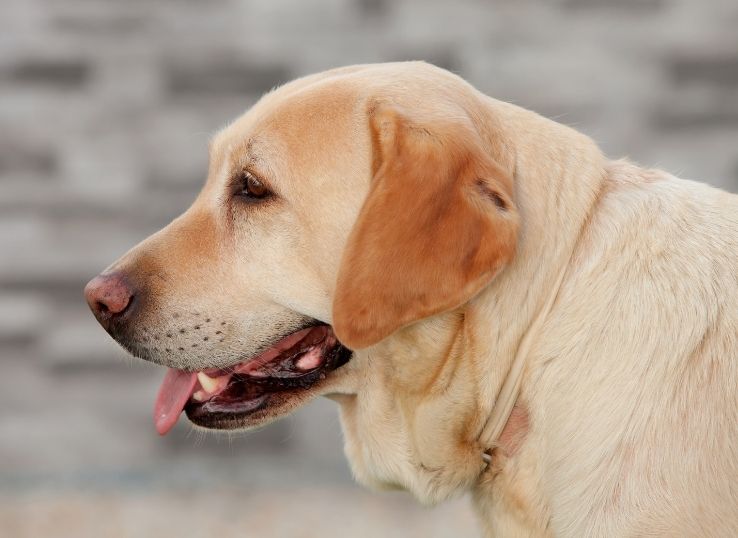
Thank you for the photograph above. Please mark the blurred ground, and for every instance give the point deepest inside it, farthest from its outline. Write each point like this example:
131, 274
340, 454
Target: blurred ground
304, 512
105, 111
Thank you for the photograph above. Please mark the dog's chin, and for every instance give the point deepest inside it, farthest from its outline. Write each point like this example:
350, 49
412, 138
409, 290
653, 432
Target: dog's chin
257, 390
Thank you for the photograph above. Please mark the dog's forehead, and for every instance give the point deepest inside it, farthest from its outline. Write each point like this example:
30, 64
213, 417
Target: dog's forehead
290, 125
319, 121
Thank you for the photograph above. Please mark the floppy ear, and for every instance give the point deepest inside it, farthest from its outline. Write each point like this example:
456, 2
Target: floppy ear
438, 223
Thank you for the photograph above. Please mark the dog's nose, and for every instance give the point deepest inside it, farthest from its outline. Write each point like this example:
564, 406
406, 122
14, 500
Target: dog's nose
109, 297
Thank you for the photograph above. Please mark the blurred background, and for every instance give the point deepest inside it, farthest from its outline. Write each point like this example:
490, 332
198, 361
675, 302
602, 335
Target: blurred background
106, 108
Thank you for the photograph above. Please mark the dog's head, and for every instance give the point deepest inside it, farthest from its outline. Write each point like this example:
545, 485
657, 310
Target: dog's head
338, 212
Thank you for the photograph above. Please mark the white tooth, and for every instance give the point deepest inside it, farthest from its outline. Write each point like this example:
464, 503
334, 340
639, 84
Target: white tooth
200, 396
209, 384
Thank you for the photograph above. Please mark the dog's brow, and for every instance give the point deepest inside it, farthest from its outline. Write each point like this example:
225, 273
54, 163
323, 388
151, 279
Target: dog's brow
246, 151
242, 155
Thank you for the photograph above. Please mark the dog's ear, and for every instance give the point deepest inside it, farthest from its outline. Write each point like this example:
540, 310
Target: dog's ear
438, 224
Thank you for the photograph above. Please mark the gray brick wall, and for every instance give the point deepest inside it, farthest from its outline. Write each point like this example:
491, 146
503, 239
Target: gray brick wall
105, 111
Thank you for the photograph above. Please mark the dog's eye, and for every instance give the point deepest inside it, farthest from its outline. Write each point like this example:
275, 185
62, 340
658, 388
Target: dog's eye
252, 188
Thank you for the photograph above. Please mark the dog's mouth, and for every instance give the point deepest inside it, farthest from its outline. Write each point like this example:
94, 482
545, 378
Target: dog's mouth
223, 398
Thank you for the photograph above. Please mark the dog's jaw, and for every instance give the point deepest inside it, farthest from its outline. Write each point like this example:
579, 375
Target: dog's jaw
229, 398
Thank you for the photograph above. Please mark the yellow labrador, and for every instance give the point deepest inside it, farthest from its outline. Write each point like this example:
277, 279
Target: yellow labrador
554, 332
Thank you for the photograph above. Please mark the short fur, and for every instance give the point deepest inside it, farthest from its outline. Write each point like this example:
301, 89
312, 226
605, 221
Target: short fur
432, 225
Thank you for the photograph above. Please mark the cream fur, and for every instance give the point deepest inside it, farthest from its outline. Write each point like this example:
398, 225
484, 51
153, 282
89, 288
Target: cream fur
630, 381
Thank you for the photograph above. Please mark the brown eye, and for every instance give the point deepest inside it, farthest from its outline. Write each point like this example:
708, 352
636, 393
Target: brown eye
252, 188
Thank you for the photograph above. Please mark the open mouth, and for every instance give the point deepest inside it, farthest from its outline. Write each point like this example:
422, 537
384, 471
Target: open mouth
218, 398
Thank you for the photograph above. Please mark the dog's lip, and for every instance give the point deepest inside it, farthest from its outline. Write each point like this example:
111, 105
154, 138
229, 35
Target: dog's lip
293, 363
310, 335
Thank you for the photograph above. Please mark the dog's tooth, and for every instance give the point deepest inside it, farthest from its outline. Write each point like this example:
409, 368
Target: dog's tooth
200, 396
310, 360
208, 383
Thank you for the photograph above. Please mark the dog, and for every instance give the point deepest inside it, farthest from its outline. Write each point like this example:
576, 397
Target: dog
495, 306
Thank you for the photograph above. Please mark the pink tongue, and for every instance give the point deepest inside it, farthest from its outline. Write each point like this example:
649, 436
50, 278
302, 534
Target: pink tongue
173, 394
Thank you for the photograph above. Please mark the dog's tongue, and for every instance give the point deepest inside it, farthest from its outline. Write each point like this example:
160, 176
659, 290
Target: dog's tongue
173, 394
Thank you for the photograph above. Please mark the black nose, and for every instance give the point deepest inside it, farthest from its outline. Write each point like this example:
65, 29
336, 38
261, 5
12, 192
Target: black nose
109, 296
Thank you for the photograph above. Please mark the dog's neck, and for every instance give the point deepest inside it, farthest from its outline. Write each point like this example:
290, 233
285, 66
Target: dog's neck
500, 416
454, 365
555, 198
